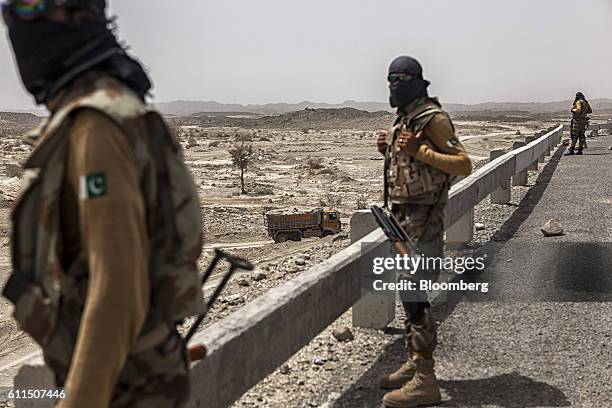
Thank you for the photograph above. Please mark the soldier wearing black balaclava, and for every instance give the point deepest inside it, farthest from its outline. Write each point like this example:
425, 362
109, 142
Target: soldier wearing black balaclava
580, 120
422, 154
99, 277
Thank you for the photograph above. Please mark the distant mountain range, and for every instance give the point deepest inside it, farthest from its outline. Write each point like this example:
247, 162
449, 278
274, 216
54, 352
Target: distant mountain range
187, 108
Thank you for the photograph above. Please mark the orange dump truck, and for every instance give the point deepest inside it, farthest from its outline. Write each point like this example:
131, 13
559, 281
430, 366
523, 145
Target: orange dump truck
293, 226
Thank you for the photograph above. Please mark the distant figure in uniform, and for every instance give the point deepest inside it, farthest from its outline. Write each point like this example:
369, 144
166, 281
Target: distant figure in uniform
107, 232
580, 121
422, 155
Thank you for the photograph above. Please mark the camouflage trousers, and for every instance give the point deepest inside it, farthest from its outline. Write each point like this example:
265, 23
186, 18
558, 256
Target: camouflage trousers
424, 224
156, 376
577, 132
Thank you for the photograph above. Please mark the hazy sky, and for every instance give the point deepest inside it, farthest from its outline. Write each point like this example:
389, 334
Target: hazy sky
259, 51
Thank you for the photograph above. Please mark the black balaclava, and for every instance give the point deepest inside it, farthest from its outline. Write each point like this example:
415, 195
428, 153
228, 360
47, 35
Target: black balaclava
579, 95
402, 93
51, 54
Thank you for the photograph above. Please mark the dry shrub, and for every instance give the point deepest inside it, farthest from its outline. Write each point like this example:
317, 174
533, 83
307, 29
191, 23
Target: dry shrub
314, 163
330, 200
362, 202
13, 170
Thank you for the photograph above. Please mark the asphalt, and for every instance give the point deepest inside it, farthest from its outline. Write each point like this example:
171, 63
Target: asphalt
542, 335
575, 267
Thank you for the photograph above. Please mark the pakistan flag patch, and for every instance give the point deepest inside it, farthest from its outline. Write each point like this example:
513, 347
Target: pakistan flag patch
93, 185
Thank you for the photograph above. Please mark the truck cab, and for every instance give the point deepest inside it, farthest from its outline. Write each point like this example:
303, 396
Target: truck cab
330, 222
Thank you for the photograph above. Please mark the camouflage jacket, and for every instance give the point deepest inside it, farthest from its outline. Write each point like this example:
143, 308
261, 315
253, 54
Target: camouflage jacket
581, 110
408, 179
41, 286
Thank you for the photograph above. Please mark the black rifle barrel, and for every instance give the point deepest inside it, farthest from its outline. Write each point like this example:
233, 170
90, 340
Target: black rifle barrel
235, 263
385, 224
393, 229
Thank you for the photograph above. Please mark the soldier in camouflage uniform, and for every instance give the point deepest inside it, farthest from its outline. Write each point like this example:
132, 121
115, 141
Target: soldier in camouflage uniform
422, 154
107, 231
580, 121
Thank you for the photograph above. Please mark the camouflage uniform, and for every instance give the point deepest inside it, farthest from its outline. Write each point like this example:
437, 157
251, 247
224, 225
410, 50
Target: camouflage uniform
418, 192
106, 238
580, 119
422, 154
424, 223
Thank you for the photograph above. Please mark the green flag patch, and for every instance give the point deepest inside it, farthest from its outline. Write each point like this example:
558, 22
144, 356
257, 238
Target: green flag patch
93, 185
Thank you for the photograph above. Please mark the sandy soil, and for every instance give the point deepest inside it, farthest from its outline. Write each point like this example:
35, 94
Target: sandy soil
349, 177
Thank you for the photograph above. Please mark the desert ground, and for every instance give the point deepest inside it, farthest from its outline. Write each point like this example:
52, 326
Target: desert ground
302, 160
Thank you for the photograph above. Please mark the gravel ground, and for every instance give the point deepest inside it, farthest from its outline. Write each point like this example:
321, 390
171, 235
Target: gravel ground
481, 360
330, 373
289, 260
483, 366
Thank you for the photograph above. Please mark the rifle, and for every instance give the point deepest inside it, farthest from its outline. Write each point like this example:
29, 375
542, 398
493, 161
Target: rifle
198, 351
394, 231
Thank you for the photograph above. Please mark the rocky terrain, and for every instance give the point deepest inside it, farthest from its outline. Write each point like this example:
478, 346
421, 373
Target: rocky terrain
341, 366
187, 108
306, 159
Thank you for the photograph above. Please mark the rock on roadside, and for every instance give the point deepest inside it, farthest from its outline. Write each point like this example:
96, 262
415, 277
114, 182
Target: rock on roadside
552, 228
344, 334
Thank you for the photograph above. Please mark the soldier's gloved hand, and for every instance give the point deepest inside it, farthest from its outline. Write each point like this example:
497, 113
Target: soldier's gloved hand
381, 142
409, 142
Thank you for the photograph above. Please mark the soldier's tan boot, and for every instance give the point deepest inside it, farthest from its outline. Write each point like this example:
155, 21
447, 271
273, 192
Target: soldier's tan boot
399, 377
422, 390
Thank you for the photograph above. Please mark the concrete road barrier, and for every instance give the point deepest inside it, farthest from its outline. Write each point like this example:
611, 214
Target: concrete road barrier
249, 344
373, 310
520, 178
252, 342
502, 194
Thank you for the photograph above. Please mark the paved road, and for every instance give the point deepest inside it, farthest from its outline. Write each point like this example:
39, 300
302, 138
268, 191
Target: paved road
547, 342
577, 190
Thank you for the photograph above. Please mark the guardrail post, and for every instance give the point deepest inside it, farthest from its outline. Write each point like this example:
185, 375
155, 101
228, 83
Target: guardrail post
461, 232
503, 194
552, 143
534, 165
541, 158
373, 310
519, 179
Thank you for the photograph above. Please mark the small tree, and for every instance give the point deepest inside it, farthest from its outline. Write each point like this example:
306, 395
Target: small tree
242, 156
362, 202
314, 163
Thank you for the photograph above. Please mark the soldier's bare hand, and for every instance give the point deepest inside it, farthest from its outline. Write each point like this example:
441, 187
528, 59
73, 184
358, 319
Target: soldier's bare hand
381, 142
409, 142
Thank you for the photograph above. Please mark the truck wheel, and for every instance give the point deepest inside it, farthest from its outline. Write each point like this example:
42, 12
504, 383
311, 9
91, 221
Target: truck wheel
280, 237
296, 236
327, 233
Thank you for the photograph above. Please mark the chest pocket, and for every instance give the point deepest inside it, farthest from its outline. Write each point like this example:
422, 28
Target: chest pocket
408, 178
